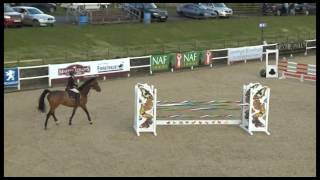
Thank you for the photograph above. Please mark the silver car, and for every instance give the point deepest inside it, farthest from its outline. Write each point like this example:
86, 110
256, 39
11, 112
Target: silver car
219, 8
35, 17
195, 11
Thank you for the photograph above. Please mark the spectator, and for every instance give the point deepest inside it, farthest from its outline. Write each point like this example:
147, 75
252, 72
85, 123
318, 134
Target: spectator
286, 7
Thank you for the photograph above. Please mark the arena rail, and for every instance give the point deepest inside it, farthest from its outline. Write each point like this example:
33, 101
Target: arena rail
215, 58
265, 46
145, 62
33, 77
23, 61
141, 66
310, 47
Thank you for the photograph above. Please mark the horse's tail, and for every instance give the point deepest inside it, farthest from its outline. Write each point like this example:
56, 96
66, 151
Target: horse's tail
42, 105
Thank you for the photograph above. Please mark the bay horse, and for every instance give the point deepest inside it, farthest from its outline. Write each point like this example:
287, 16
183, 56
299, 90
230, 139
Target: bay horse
55, 98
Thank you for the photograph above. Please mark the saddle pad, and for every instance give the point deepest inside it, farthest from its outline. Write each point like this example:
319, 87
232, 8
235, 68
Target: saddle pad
71, 94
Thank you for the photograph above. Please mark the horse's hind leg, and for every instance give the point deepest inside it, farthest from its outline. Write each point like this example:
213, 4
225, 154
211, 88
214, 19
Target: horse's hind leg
46, 122
74, 110
55, 118
52, 109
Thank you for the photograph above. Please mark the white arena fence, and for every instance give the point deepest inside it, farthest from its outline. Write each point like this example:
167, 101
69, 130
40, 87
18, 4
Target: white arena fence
310, 47
103, 68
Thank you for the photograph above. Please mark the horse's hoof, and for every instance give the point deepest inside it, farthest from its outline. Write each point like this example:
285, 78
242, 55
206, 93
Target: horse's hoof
91, 123
45, 128
70, 124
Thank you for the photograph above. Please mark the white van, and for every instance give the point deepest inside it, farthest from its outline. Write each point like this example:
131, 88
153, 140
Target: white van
86, 6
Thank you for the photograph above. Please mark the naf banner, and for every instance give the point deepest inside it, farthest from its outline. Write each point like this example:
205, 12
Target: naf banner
192, 58
161, 62
11, 77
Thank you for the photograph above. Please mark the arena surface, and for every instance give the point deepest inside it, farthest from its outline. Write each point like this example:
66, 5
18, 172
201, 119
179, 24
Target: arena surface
110, 146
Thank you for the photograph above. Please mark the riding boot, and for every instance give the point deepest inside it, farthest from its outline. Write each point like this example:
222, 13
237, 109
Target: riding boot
77, 99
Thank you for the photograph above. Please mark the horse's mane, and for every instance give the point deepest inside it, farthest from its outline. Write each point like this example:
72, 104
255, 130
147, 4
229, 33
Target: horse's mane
86, 83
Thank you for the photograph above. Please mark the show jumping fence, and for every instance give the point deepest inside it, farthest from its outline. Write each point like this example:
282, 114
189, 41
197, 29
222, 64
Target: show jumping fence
297, 70
254, 110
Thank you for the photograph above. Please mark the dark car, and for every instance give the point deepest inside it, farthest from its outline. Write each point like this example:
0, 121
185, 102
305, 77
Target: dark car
46, 7
196, 11
305, 8
278, 9
11, 17
156, 13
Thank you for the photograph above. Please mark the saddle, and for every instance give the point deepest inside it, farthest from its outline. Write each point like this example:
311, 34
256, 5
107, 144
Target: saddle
71, 94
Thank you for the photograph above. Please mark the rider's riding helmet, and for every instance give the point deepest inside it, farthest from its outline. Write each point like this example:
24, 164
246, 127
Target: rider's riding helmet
71, 73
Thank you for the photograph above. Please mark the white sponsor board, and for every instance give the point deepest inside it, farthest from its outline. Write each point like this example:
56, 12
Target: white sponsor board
244, 53
236, 54
254, 52
57, 71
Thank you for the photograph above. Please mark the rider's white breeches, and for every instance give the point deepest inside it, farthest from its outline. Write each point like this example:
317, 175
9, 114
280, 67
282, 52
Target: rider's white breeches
75, 90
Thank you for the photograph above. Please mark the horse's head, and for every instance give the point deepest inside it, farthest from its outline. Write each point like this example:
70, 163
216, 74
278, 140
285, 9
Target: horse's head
91, 83
95, 85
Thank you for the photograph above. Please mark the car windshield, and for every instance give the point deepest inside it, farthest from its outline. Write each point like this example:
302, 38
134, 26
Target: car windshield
206, 4
8, 9
202, 6
150, 6
219, 5
34, 11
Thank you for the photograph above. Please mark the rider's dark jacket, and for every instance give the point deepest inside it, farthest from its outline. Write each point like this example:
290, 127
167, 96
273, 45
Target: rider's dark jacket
71, 84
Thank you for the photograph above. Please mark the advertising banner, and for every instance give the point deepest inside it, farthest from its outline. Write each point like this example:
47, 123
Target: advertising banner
244, 53
11, 77
236, 54
57, 71
207, 58
161, 62
254, 52
292, 45
112, 66
188, 59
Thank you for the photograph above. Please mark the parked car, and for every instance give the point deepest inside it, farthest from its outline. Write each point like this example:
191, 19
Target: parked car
195, 11
278, 9
220, 8
156, 13
305, 8
85, 6
11, 17
35, 17
46, 7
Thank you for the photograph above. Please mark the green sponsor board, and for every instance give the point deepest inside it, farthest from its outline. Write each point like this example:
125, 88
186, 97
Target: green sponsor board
192, 58
161, 62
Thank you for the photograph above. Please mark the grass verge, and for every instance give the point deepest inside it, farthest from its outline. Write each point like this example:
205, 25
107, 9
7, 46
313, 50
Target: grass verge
69, 43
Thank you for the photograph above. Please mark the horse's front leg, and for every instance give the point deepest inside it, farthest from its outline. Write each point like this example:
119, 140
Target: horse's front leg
84, 107
73, 112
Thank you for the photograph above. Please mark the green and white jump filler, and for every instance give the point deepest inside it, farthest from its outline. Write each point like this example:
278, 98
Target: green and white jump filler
254, 110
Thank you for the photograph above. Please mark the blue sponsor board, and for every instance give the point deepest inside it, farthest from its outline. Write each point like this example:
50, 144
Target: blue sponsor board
11, 77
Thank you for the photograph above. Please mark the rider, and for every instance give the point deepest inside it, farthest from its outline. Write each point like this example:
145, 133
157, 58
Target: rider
72, 86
